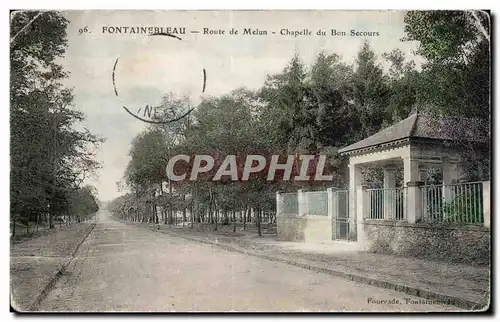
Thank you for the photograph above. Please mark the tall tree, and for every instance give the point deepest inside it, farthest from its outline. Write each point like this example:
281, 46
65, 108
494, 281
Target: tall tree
404, 82
50, 158
370, 93
455, 79
457, 49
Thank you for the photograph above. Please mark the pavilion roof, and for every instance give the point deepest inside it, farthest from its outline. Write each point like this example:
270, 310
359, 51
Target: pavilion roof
425, 127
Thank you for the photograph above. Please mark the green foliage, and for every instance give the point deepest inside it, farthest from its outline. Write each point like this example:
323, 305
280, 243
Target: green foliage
455, 79
49, 158
83, 203
446, 36
148, 160
465, 208
458, 60
317, 109
370, 92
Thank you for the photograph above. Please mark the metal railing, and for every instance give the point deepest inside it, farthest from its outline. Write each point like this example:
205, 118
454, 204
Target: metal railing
460, 203
344, 223
374, 204
317, 203
387, 204
399, 205
341, 204
455, 203
290, 204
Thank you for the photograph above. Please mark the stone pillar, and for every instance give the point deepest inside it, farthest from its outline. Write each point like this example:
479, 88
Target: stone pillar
360, 203
332, 202
486, 203
389, 192
332, 208
450, 176
422, 176
360, 216
411, 170
411, 174
303, 207
279, 203
414, 201
355, 179
450, 172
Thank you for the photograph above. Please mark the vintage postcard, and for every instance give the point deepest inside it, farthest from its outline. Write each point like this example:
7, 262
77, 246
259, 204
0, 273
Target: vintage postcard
250, 161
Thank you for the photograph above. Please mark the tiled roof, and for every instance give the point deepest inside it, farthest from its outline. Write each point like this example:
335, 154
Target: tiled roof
422, 126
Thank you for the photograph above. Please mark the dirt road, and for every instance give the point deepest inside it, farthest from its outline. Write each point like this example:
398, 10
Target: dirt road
124, 268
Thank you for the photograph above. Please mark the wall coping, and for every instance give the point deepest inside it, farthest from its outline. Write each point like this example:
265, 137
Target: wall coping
395, 223
287, 215
303, 216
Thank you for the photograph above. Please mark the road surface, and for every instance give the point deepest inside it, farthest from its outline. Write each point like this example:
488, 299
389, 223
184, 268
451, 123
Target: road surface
125, 268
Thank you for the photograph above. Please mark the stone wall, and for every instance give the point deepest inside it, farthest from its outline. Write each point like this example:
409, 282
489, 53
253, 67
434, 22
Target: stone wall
458, 244
304, 228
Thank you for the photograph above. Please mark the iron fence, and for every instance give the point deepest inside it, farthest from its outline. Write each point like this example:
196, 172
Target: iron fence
388, 204
455, 203
344, 223
317, 203
290, 204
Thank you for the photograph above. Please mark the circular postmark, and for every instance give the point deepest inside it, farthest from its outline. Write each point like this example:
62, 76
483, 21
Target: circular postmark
146, 117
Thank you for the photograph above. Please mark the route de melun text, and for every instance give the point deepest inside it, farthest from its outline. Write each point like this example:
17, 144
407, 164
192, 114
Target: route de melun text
236, 31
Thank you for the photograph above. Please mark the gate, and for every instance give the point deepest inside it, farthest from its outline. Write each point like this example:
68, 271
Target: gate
344, 224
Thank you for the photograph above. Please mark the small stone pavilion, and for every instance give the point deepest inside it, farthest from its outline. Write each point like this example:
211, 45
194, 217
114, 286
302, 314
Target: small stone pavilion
417, 142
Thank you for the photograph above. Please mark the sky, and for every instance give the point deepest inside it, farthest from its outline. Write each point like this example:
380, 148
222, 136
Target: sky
149, 67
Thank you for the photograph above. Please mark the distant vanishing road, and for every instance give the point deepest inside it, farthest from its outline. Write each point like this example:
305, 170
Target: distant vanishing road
124, 268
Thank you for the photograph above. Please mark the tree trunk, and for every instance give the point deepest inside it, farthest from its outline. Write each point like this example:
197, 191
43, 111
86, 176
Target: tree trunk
226, 217
212, 205
51, 220
216, 215
257, 220
234, 221
14, 226
245, 214
184, 209
191, 216
37, 216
